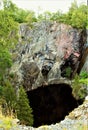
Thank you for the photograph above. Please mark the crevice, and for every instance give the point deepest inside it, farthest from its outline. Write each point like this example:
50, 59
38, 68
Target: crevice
51, 103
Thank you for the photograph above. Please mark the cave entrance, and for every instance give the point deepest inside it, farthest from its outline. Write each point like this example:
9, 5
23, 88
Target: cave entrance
51, 103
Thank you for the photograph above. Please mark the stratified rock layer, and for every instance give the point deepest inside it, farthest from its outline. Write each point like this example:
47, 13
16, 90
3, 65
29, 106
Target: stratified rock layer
47, 54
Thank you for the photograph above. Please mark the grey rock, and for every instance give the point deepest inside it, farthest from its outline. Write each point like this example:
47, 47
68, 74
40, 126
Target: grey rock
49, 51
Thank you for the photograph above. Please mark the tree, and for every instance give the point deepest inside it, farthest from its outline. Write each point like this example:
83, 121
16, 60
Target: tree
17, 14
8, 39
56, 16
76, 16
24, 111
8, 30
5, 62
79, 17
8, 98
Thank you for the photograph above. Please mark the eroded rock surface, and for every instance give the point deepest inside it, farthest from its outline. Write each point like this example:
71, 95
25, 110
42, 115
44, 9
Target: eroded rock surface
49, 53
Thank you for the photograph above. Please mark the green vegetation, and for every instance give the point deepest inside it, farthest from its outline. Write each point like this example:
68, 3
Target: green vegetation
10, 18
79, 91
68, 72
7, 123
84, 77
17, 14
24, 112
5, 62
8, 39
15, 106
9, 99
76, 16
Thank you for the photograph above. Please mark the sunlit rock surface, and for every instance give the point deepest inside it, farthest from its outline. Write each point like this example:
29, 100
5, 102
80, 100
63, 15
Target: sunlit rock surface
48, 53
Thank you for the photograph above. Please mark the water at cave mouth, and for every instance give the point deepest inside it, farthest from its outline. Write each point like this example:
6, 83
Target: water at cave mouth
51, 103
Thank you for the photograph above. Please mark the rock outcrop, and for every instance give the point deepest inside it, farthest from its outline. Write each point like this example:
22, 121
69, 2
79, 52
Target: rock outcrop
48, 53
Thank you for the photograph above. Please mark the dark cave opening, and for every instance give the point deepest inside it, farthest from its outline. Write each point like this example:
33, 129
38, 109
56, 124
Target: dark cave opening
51, 103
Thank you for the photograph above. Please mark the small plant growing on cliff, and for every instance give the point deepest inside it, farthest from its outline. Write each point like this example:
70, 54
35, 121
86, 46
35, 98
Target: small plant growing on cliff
68, 72
24, 111
84, 78
78, 90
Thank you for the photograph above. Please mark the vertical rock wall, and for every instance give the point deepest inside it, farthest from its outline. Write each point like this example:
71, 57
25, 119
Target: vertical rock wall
48, 53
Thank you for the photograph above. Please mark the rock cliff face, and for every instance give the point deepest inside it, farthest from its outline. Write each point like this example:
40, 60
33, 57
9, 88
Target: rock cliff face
47, 54
45, 60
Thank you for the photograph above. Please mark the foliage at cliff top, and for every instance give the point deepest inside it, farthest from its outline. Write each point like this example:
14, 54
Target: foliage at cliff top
77, 16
